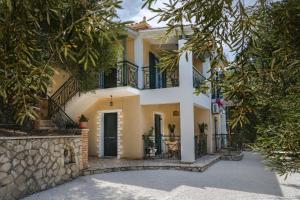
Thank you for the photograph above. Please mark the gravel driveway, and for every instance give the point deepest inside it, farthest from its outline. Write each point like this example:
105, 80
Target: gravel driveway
226, 180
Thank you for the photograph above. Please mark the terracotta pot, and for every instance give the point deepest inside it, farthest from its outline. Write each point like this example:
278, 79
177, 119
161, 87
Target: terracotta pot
83, 125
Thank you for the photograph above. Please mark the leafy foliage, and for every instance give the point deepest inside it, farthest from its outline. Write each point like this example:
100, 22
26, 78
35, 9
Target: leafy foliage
35, 36
83, 118
263, 80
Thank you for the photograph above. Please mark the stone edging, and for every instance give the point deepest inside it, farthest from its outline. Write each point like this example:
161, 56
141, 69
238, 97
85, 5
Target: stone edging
39, 137
152, 167
232, 157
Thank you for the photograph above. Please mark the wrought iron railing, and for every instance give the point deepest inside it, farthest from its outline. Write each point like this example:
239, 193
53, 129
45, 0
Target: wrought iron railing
164, 147
57, 115
200, 145
68, 90
154, 78
198, 78
125, 74
232, 141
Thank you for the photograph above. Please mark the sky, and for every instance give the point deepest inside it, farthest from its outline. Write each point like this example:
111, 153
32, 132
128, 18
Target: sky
132, 11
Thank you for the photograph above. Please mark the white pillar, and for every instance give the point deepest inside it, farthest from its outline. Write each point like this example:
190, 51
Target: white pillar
139, 59
186, 106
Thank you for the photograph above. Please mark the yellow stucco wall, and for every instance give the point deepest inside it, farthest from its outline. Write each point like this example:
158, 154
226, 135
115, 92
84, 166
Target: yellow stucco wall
200, 116
137, 120
59, 77
166, 111
130, 49
132, 141
148, 48
198, 64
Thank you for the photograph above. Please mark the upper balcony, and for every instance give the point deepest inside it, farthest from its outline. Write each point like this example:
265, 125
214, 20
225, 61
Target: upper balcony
198, 78
154, 78
124, 74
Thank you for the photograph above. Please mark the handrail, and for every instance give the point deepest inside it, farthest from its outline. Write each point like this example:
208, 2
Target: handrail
126, 74
68, 90
198, 78
58, 116
198, 72
131, 63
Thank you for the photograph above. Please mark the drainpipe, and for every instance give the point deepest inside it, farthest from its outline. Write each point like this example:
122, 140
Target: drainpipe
215, 121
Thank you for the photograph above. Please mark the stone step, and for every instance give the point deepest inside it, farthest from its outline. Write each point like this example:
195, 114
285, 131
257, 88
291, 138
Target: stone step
45, 124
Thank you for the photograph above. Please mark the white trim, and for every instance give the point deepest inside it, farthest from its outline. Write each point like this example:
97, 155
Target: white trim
100, 132
110, 111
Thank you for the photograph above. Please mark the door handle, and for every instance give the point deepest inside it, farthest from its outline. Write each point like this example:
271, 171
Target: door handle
110, 137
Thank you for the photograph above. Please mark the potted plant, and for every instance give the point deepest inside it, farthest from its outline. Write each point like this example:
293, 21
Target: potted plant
171, 128
83, 122
149, 144
202, 138
202, 128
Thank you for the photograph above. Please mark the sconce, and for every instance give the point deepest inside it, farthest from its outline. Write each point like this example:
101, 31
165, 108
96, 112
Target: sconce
176, 113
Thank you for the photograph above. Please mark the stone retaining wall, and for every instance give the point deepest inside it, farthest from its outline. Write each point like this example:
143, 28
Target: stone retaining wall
31, 164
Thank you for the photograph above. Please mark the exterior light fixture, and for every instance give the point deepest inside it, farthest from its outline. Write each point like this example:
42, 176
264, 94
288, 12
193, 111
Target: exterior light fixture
176, 113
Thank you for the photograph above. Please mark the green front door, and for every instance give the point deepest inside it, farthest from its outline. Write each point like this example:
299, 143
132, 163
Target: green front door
110, 134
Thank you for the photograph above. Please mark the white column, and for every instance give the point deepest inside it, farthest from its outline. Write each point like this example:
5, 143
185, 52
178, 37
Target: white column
139, 59
186, 106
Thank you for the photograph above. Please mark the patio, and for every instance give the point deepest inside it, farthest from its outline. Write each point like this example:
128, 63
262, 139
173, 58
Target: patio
226, 180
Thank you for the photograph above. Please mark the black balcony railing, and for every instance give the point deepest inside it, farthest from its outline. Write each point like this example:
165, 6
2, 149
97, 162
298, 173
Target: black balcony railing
155, 78
198, 78
124, 74
232, 141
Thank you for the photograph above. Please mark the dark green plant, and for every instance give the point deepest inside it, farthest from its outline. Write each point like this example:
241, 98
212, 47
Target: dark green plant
202, 128
263, 79
83, 118
149, 139
36, 36
171, 128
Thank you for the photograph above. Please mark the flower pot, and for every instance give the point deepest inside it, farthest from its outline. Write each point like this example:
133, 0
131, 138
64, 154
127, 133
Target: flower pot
83, 125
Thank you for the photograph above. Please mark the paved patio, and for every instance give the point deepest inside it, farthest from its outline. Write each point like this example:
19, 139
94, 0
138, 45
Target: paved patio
97, 166
226, 180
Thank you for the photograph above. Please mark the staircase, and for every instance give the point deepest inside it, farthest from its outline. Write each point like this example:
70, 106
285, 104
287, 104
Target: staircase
51, 114
57, 102
52, 109
43, 124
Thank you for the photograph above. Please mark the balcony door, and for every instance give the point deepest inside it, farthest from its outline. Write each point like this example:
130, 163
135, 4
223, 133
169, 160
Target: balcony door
157, 78
110, 78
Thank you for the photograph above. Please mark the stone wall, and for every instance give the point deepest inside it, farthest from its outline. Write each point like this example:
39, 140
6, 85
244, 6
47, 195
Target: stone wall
31, 164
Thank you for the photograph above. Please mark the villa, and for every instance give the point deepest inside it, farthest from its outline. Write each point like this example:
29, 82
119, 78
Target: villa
136, 97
